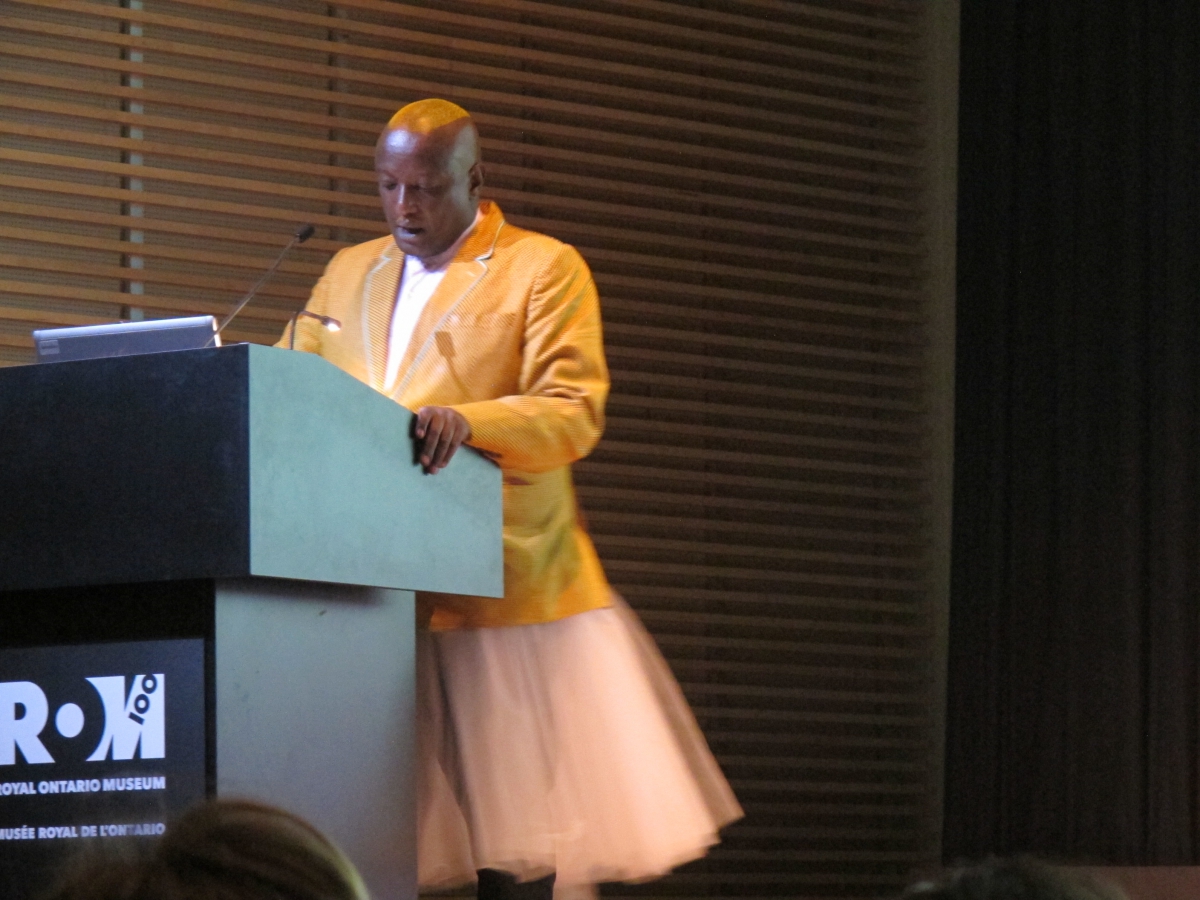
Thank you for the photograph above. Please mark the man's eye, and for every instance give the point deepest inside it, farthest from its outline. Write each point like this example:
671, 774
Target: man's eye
388, 185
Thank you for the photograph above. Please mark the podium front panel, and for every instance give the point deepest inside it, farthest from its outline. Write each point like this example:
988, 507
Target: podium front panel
299, 695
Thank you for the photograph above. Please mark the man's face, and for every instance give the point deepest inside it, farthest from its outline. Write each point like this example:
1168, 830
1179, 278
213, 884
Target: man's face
429, 186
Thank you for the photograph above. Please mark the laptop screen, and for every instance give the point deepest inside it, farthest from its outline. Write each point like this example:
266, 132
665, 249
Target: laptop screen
126, 338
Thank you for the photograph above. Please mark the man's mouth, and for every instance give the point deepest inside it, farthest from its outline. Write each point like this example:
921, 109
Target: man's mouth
405, 231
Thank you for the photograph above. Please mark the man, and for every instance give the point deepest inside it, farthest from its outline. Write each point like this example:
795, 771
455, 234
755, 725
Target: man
552, 739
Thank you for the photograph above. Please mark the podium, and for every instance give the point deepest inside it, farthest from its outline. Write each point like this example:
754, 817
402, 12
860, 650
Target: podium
208, 561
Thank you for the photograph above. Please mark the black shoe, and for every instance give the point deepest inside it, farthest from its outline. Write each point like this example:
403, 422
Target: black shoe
497, 885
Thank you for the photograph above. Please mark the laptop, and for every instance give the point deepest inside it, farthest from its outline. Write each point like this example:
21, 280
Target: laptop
126, 338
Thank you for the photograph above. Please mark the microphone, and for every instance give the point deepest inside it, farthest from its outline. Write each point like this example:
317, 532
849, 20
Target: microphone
301, 235
328, 321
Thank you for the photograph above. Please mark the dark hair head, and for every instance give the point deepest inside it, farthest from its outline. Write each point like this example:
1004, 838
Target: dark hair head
226, 850
1020, 878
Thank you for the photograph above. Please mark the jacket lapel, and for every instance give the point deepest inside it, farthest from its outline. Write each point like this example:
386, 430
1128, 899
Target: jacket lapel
378, 301
464, 272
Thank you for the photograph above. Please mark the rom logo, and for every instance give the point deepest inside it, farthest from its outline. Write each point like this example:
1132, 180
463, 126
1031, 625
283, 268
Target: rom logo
134, 719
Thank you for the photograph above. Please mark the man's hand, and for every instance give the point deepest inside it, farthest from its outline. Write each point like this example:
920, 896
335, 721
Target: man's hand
440, 431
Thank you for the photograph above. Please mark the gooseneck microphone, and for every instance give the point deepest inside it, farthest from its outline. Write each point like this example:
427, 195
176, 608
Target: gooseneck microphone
301, 235
328, 321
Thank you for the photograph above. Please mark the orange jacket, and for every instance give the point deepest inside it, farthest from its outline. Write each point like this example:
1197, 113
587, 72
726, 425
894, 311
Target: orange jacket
511, 339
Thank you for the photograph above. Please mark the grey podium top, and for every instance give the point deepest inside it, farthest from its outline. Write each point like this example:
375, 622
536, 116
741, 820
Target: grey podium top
231, 462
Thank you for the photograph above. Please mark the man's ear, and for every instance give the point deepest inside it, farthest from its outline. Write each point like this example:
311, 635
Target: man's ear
475, 180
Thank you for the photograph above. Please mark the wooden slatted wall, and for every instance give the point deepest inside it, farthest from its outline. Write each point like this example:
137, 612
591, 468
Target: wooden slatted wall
744, 177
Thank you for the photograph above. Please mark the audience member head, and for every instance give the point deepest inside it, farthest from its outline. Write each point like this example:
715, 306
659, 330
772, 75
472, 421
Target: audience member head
225, 850
1020, 878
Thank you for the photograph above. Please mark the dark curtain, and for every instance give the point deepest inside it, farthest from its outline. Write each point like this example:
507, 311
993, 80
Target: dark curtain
1073, 691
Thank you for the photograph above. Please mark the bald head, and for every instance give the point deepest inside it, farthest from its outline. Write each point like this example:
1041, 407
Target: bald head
441, 131
429, 171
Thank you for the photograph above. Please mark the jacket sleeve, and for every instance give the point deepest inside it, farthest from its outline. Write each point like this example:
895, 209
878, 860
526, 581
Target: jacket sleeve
559, 415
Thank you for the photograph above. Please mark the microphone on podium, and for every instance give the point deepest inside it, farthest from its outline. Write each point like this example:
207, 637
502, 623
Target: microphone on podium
303, 233
328, 321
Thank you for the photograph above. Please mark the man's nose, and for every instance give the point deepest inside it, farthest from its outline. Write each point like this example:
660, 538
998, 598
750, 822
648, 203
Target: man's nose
406, 198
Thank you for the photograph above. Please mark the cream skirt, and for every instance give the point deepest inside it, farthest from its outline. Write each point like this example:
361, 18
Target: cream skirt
565, 747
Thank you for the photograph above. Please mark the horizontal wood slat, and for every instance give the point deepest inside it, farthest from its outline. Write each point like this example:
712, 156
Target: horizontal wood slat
346, 198
657, 178
369, 200
625, 423
760, 530
591, 42
465, 48
873, 181
202, 78
707, 60
625, 497
619, 117
746, 181
366, 177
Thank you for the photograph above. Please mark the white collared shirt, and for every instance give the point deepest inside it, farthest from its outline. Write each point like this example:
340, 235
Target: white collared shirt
418, 281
